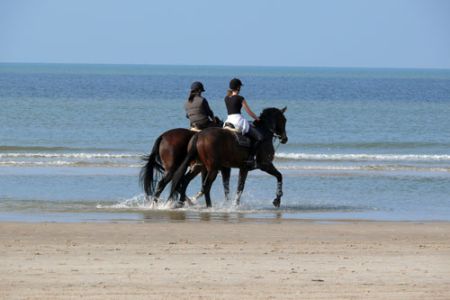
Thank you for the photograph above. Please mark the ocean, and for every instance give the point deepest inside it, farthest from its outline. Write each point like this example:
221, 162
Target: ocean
370, 144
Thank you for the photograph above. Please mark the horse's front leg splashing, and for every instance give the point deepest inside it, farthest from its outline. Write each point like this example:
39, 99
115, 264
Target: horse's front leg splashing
277, 200
270, 169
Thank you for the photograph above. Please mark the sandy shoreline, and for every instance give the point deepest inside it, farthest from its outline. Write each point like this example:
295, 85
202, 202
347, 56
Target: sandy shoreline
287, 260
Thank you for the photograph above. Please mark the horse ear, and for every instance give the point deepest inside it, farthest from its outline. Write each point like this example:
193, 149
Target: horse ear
283, 110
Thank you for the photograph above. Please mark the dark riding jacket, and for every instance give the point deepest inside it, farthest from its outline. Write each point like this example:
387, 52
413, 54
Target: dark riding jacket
198, 112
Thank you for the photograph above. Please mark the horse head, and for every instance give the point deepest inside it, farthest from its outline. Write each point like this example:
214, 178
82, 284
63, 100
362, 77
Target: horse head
274, 120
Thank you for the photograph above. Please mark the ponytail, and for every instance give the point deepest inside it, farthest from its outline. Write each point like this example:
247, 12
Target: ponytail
229, 92
192, 94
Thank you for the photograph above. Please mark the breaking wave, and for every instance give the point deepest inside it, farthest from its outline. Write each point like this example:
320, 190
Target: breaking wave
283, 160
362, 157
74, 159
69, 155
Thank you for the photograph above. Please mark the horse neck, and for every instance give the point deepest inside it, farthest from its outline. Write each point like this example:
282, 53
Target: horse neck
264, 128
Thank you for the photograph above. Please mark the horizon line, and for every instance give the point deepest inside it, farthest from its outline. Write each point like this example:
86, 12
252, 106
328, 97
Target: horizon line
226, 66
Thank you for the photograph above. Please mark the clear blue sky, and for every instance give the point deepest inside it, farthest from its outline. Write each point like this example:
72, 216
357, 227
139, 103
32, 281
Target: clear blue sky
334, 33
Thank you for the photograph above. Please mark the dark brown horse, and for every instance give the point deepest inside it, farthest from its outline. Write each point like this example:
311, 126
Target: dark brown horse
216, 149
168, 152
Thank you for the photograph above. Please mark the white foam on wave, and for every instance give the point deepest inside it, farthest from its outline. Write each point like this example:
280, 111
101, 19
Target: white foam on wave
362, 157
37, 163
61, 163
133, 160
82, 159
70, 155
366, 168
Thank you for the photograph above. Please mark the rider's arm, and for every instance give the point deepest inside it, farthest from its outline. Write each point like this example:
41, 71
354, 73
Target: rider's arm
186, 109
249, 111
207, 109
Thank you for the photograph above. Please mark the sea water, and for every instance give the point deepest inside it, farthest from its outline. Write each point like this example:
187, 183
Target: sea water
363, 143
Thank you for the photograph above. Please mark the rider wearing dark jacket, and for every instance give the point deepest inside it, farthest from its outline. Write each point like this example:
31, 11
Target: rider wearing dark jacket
197, 108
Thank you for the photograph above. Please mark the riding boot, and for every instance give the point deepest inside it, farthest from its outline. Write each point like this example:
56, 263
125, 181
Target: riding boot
257, 138
251, 161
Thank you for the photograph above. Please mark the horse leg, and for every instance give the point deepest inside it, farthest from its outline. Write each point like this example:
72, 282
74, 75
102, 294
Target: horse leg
210, 177
185, 182
226, 182
193, 172
269, 168
162, 184
197, 196
241, 183
201, 193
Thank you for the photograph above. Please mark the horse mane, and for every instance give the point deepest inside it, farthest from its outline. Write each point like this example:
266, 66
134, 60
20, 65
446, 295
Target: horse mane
267, 112
265, 116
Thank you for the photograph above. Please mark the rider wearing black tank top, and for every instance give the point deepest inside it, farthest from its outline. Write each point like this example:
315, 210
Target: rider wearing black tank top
234, 104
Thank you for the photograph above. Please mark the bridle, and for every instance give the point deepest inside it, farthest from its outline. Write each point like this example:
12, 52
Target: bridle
269, 127
274, 137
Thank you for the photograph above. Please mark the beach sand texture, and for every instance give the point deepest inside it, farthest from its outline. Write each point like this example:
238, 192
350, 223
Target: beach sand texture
207, 260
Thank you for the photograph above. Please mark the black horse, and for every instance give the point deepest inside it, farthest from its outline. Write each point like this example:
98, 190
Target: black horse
216, 149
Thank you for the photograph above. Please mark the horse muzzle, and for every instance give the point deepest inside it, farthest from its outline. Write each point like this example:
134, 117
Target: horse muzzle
284, 139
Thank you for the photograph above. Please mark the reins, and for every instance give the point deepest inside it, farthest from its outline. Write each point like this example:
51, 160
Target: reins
274, 136
279, 142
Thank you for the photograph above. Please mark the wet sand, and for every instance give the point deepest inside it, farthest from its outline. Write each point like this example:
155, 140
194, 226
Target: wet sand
206, 260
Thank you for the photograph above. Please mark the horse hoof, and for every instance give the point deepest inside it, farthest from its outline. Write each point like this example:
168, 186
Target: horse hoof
276, 203
191, 202
197, 196
178, 204
153, 204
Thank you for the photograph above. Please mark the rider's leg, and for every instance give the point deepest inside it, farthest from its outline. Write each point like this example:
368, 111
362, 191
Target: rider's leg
257, 138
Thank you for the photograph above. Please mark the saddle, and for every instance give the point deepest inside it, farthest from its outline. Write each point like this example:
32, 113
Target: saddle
241, 139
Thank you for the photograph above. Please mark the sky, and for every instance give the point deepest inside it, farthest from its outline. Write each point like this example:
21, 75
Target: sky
316, 33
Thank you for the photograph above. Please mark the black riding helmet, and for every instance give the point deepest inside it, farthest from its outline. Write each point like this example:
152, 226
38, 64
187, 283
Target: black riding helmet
235, 84
197, 86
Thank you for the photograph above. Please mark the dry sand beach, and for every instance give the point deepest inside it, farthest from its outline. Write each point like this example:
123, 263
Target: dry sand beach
207, 260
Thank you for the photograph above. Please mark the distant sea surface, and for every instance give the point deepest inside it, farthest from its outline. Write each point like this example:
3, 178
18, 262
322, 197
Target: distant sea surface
363, 143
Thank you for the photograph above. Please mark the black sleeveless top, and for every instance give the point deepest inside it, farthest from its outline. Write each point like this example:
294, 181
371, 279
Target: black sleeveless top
234, 104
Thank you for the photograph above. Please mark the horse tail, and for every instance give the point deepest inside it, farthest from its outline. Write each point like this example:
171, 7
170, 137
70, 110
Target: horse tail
152, 169
178, 176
